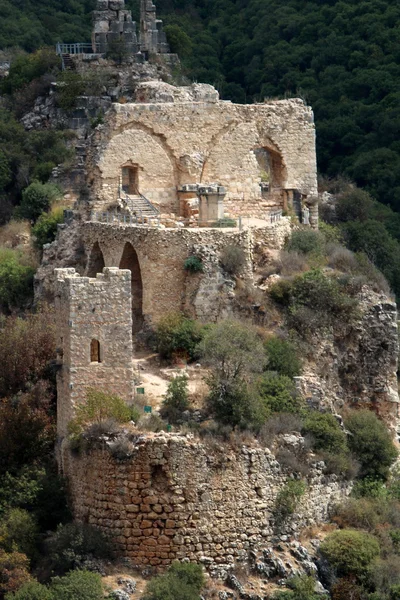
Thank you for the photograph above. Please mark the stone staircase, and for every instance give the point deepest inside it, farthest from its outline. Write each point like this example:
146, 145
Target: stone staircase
68, 62
141, 207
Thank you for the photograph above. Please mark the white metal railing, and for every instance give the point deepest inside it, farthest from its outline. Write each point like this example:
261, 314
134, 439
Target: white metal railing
275, 216
79, 48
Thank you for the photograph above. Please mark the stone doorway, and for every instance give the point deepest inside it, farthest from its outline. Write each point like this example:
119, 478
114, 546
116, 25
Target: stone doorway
96, 261
130, 180
130, 261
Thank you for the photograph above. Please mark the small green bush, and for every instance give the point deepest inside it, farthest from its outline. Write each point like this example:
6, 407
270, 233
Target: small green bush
233, 350
181, 582
278, 394
19, 531
235, 403
306, 241
36, 199
326, 432
233, 259
301, 588
45, 228
176, 400
350, 552
178, 335
282, 357
355, 205
77, 585
74, 546
371, 444
287, 500
98, 408
70, 86
32, 591
16, 280
194, 264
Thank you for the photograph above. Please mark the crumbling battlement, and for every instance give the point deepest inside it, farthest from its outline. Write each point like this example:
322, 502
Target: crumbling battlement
94, 325
174, 143
177, 498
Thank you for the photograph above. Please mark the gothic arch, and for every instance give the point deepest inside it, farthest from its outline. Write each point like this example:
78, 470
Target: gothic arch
96, 262
129, 260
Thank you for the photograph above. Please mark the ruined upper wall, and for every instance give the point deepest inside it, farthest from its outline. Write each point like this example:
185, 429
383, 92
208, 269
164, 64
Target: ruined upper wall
178, 142
92, 309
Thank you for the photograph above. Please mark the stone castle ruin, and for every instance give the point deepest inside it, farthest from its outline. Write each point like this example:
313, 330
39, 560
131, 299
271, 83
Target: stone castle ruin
172, 173
113, 26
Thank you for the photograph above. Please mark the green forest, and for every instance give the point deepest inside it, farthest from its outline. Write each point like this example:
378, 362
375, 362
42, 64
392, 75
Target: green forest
342, 57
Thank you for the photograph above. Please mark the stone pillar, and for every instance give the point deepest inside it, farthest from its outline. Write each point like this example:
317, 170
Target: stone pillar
211, 205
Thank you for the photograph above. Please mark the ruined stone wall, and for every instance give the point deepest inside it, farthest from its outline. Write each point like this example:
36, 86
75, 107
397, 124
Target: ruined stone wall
180, 498
92, 309
176, 142
161, 254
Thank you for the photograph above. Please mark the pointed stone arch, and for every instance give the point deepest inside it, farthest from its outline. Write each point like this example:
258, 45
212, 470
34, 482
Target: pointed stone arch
96, 262
129, 260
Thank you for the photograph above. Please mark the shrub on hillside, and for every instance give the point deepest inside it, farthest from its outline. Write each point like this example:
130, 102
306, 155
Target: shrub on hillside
77, 585
70, 86
235, 403
287, 500
233, 259
45, 228
282, 357
233, 350
36, 199
325, 431
354, 205
306, 241
193, 264
350, 552
19, 531
16, 280
99, 408
176, 400
76, 546
178, 335
301, 588
181, 582
371, 443
32, 590
278, 394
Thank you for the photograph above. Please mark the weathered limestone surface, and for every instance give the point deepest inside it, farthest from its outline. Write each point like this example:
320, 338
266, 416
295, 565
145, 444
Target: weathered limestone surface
178, 142
181, 498
359, 367
92, 309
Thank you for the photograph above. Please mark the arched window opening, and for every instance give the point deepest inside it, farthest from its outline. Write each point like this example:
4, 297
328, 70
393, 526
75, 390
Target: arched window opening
95, 356
271, 167
96, 261
130, 261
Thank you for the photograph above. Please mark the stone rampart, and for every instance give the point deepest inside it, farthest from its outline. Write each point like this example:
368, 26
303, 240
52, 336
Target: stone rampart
176, 498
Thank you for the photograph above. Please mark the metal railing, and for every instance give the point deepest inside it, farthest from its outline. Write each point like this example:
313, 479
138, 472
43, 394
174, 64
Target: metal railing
275, 216
79, 48
125, 197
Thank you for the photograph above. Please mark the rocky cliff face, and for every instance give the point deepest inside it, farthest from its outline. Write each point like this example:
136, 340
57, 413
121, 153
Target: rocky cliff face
358, 367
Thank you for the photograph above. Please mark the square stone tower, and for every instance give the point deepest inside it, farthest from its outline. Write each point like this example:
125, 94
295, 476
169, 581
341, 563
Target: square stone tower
94, 324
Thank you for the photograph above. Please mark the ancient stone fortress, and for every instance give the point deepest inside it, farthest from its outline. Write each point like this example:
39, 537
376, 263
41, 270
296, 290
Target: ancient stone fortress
174, 174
